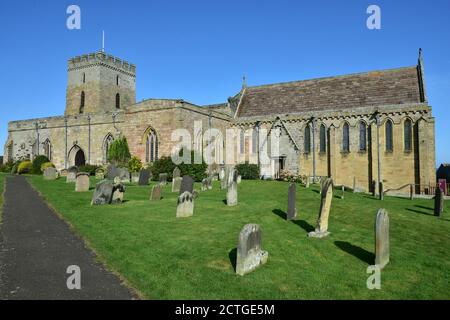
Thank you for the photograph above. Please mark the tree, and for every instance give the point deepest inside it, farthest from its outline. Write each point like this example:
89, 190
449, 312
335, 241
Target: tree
119, 152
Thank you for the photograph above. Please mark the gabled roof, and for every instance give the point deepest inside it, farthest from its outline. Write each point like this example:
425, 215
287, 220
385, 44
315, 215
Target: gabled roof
376, 88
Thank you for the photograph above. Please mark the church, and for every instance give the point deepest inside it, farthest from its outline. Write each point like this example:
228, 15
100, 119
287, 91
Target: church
358, 128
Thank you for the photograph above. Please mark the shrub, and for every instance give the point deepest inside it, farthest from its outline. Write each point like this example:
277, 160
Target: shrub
37, 163
46, 165
248, 171
89, 168
135, 164
6, 167
286, 175
165, 165
15, 167
25, 167
119, 152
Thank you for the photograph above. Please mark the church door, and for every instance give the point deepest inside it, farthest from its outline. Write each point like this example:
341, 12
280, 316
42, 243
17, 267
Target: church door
80, 160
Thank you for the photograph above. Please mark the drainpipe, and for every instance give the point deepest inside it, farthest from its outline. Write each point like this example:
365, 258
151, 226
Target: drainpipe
209, 124
37, 137
380, 191
89, 139
313, 120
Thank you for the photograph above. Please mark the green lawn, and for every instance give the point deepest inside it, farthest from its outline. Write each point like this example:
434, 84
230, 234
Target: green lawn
192, 258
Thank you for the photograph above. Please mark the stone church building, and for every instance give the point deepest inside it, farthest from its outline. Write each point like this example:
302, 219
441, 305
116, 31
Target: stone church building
357, 128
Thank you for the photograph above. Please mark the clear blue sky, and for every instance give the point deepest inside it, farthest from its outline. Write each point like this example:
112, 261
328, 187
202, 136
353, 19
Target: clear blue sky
199, 50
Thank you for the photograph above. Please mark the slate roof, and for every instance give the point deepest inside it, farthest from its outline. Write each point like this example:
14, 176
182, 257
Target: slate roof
376, 88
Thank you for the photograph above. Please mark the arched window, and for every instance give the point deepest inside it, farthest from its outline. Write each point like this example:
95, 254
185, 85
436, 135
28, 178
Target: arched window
307, 139
408, 135
242, 141
323, 139
82, 102
255, 140
109, 139
346, 138
362, 136
84, 77
151, 147
10, 151
117, 101
198, 142
117, 80
389, 138
48, 149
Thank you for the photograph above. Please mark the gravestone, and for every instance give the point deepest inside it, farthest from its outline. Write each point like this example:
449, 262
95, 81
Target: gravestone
50, 174
204, 185
209, 181
249, 252
156, 192
163, 179
438, 202
124, 175
185, 207
103, 193
321, 230
176, 173
72, 174
118, 192
195, 194
144, 177
382, 238
232, 195
111, 172
187, 184
82, 182
99, 174
307, 183
221, 174
135, 177
292, 210
63, 173
239, 179
411, 192
224, 181
176, 184
343, 191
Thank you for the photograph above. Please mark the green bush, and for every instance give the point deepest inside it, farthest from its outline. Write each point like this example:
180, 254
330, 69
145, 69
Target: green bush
37, 163
88, 168
248, 171
119, 152
135, 164
165, 165
6, 167
15, 167
25, 167
46, 165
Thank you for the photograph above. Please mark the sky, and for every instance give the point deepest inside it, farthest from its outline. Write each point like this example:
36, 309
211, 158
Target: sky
200, 50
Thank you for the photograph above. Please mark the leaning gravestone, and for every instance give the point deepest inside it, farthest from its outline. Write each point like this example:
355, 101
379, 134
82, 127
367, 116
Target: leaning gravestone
82, 182
112, 172
438, 202
144, 177
99, 174
176, 184
232, 195
163, 179
118, 192
185, 207
50, 174
156, 193
292, 210
103, 193
382, 238
249, 252
72, 174
325, 206
176, 173
187, 184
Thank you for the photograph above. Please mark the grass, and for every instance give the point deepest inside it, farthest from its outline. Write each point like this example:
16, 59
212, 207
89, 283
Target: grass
192, 258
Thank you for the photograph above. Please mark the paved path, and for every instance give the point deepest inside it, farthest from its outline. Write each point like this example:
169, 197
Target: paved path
36, 248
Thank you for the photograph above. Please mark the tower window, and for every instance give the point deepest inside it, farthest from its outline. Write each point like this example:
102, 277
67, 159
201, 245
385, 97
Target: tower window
117, 101
362, 136
389, 139
82, 102
117, 80
323, 142
346, 138
308, 139
84, 77
408, 135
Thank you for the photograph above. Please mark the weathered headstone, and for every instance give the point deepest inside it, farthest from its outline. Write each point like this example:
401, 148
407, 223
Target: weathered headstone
144, 177
325, 206
232, 195
118, 192
82, 182
163, 179
63, 173
195, 194
103, 193
438, 202
307, 182
224, 180
124, 175
292, 210
156, 192
204, 185
176, 184
111, 172
239, 179
176, 173
249, 252
187, 184
185, 207
50, 174
99, 174
209, 184
411, 192
221, 174
135, 177
382, 238
72, 174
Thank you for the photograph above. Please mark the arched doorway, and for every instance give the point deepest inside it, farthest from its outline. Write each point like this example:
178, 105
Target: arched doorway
80, 160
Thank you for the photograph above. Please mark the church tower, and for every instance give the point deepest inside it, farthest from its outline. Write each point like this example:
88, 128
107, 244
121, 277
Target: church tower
99, 83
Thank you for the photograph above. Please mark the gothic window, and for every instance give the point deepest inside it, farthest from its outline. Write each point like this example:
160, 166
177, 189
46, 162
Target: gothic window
346, 138
408, 135
242, 141
255, 140
362, 136
82, 102
323, 142
109, 139
389, 138
84, 77
117, 101
308, 139
48, 149
151, 147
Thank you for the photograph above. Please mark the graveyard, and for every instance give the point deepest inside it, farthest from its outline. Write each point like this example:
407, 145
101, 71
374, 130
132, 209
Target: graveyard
194, 256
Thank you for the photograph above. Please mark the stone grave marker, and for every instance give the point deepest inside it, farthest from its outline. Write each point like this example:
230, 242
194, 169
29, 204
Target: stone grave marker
99, 174
163, 179
292, 210
321, 230
135, 177
144, 177
204, 185
438, 202
63, 173
176, 184
239, 179
232, 195
72, 174
82, 182
111, 172
185, 207
249, 252
382, 238
176, 173
103, 193
118, 193
156, 193
187, 184
50, 174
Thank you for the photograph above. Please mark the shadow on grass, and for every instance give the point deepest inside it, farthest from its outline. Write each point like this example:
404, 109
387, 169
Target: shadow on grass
233, 257
280, 213
371, 198
423, 207
304, 225
358, 252
224, 201
316, 191
421, 212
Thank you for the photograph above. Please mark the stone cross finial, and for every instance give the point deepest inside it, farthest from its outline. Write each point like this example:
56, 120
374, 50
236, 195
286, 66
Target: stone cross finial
244, 82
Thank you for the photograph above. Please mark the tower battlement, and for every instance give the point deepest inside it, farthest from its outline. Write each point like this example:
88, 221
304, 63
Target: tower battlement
87, 60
